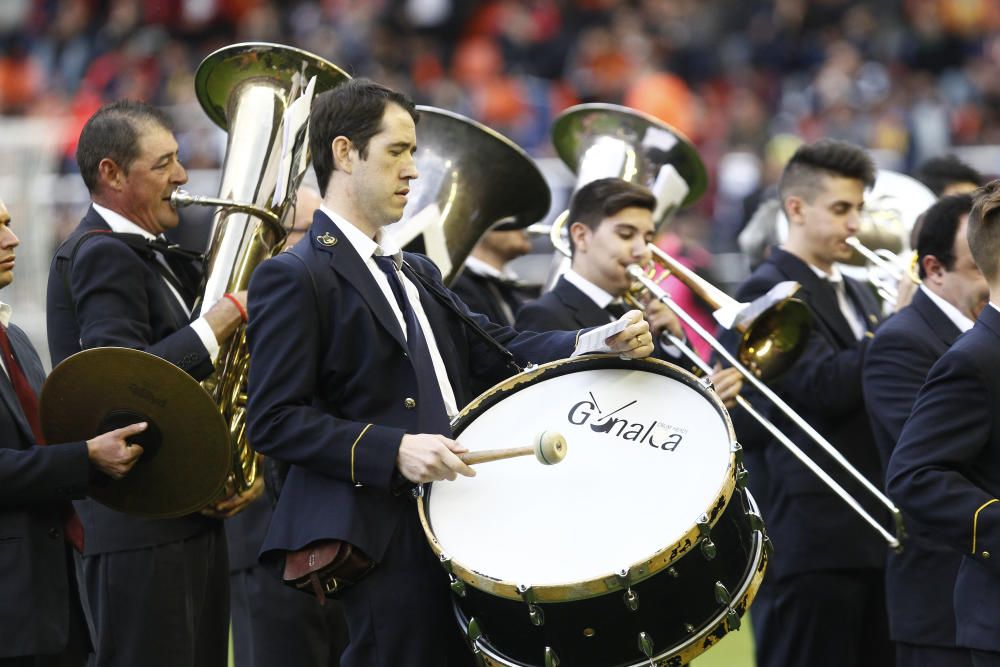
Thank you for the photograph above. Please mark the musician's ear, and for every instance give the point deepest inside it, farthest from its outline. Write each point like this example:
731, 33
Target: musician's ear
580, 234
343, 154
794, 207
110, 175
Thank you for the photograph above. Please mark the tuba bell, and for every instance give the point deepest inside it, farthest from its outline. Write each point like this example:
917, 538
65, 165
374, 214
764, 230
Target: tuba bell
260, 94
471, 177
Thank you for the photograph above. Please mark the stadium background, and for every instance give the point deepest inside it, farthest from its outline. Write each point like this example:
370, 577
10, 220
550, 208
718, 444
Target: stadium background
746, 81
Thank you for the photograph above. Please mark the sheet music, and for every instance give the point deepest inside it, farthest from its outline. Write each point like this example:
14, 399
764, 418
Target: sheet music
293, 143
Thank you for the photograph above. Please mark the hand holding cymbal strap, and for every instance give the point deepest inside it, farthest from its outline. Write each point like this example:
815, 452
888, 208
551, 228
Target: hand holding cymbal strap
549, 448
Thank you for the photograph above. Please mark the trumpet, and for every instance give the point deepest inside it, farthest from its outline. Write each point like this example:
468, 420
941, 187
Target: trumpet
889, 264
761, 323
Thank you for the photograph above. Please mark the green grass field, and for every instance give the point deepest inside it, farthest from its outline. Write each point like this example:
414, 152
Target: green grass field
735, 650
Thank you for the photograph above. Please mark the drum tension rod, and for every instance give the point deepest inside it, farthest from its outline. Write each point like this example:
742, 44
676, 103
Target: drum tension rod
624, 577
457, 585
535, 613
551, 659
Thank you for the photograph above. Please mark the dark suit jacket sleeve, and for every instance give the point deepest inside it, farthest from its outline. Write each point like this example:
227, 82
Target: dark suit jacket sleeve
932, 470
286, 354
894, 372
539, 316
112, 307
43, 474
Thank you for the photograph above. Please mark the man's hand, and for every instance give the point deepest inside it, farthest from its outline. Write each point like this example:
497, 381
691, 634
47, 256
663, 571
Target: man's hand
224, 317
429, 457
110, 452
727, 382
235, 502
634, 341
662, 319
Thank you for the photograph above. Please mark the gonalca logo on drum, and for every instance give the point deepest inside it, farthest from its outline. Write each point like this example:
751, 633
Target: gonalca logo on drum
655, 434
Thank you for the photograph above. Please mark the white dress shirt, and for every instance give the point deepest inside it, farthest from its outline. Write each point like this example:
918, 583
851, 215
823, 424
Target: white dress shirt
368, 249
5, 313
122, 225
957, 317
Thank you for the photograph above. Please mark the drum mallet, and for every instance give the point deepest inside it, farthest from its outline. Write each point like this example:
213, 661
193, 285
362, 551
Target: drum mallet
549, 448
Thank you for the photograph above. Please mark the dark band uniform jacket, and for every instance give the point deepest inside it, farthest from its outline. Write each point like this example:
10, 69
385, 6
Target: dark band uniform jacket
824, 387
945, 473
121, 300
565, 307
498, 298
920, 579
332, 389
36, 484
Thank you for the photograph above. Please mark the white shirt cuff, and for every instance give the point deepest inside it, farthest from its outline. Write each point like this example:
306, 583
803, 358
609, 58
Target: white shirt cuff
207, 337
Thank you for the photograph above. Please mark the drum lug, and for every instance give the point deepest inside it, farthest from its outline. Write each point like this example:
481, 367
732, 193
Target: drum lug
706, 382
631, 599
646, 645
688, 628
417, 491
756, 522
768, 548
733, 620
474, 633
672, 571
551, 659
737, 450
708, 548
535, 613
741, 477
722, 594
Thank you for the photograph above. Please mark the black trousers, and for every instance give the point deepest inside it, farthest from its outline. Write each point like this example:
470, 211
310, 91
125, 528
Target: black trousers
400, 615
919, 655
277, 626
826, 619
985, 658
162, 606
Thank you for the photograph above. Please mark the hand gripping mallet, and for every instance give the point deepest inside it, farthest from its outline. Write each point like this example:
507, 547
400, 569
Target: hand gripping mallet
549, 449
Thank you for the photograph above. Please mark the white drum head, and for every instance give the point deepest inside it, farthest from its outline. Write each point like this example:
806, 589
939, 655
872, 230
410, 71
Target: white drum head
623, 492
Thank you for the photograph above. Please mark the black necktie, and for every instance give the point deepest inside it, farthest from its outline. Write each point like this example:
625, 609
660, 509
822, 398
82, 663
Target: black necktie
433, 418
616, 308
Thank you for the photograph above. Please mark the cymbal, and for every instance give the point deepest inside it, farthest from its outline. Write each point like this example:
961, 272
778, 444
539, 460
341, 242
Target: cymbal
186, 452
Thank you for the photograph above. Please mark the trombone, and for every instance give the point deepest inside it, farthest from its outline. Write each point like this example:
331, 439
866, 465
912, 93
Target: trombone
768, 327
887, 262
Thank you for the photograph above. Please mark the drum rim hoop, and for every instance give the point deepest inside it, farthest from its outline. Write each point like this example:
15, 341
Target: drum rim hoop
695, 644
638, 571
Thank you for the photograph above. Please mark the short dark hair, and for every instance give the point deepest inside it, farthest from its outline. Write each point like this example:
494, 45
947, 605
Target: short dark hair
113, 133
984, 229
828, 157
937, 230
938, 173
354, 109
605, 197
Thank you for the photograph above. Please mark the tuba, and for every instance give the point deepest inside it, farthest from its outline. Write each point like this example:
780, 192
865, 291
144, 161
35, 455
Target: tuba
471, 177
260, 94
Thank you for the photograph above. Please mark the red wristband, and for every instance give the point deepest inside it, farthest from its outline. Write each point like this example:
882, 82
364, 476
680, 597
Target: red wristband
239, 306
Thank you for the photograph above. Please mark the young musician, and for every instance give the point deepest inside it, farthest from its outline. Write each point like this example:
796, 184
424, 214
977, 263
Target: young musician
610, 227
826, 559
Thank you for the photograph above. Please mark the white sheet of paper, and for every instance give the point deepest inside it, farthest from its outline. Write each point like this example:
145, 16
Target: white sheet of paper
593, 340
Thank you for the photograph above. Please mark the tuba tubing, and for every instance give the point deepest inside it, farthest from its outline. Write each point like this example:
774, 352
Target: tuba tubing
246, 89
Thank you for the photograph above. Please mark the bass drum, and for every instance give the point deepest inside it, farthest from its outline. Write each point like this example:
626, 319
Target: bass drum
642, 547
